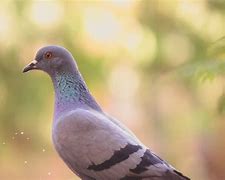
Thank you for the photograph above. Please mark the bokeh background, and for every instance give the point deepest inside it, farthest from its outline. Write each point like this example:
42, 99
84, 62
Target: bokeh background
156, 65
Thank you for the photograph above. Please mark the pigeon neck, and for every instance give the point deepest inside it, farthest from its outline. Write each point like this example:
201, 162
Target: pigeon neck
71, 92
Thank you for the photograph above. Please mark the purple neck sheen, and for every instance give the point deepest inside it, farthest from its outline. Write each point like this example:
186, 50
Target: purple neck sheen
71, 92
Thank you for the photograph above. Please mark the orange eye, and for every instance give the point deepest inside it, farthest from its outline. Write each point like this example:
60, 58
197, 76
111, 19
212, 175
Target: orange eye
48, 55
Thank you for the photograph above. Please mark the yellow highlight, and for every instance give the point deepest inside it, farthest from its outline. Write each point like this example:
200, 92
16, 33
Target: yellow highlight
46, 13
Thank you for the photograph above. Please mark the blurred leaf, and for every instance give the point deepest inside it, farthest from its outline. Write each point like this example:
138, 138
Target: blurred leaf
203, 71
221, 104
217, 49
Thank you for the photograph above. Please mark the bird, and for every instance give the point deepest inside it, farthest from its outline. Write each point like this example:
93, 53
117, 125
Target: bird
93, 144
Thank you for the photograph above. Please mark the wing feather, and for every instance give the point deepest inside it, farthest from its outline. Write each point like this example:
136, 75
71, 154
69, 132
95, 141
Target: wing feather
93, 145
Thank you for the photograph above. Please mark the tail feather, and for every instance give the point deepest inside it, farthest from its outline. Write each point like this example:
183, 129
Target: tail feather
181, 175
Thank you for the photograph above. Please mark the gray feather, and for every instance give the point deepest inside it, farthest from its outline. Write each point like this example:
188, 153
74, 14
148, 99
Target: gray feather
93, 144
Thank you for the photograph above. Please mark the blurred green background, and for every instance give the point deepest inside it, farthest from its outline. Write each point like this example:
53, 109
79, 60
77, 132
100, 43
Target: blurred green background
156, 65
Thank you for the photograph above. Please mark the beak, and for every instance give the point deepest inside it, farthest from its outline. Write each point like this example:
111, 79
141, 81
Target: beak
31, 66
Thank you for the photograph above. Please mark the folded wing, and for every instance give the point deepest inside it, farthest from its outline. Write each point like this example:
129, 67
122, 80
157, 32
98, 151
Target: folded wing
95, 147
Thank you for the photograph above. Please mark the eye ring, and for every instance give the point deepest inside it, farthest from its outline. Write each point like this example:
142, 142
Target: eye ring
48, 55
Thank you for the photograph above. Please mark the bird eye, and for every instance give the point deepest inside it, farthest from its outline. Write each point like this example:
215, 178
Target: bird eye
48, 55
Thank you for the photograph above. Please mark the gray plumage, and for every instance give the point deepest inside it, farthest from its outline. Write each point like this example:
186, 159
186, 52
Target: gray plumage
91, 143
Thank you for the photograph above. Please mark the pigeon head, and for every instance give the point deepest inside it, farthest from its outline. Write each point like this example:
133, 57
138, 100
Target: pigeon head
52, 59
70, 88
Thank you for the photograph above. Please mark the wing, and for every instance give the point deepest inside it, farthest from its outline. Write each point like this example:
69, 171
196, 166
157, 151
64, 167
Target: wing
124, 128
94, 147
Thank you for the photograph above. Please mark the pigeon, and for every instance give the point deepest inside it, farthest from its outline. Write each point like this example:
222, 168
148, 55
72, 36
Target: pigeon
94, 145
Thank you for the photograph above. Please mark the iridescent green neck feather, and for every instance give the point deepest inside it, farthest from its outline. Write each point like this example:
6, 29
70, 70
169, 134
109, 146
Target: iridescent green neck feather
71, 92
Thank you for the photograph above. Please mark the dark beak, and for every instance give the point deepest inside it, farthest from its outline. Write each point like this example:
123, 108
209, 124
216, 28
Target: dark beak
31, 66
